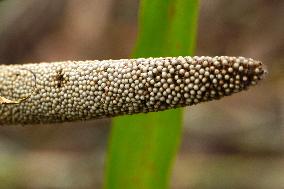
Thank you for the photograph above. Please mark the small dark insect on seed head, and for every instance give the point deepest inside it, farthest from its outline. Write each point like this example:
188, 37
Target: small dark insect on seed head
59, 78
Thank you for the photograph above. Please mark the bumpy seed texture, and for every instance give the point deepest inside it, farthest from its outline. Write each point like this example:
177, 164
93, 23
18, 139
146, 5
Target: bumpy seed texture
83, 90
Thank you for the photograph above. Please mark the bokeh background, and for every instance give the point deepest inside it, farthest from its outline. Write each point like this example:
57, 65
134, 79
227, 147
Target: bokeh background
237, 142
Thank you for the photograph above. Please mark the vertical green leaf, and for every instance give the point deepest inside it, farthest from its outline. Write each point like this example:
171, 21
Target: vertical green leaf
142, 147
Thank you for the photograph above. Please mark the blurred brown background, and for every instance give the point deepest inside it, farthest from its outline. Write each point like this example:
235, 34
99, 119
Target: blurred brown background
237, 142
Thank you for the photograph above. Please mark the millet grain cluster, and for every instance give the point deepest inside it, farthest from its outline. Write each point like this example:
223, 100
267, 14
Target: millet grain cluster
83, 90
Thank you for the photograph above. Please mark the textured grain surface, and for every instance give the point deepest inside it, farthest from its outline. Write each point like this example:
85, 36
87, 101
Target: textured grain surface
83, 90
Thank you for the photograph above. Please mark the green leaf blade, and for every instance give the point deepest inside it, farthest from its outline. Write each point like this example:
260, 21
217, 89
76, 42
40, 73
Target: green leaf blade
142, 147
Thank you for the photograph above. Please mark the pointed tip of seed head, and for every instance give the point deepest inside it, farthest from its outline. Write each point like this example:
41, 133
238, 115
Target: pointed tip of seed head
215, 77
254, 70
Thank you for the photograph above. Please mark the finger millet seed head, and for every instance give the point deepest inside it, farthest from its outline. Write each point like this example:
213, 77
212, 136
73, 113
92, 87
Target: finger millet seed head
83, 90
